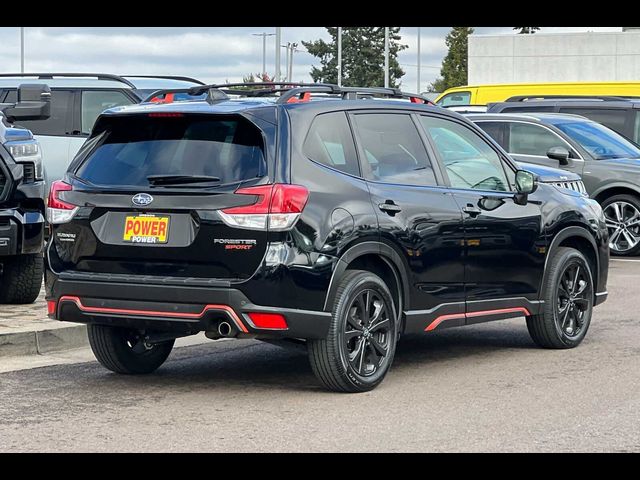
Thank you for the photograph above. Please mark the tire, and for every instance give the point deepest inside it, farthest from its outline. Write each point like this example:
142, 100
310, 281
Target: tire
564, 322
21, 279
330, 357
628, 206
122, 350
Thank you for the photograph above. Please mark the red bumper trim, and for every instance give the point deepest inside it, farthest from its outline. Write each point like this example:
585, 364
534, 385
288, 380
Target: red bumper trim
153, 313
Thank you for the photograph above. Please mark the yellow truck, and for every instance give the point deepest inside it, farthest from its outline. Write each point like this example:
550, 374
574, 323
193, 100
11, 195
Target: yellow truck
484, 94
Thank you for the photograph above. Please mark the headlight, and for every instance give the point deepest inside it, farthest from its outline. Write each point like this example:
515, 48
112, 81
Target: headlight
27, 151
595, 208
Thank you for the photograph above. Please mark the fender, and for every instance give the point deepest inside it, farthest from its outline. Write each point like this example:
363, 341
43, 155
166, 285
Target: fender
385, 252
555, 243
609, 186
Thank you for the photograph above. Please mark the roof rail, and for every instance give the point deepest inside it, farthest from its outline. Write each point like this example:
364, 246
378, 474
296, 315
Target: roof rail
525, 98
292, 92
46, 76
167, 77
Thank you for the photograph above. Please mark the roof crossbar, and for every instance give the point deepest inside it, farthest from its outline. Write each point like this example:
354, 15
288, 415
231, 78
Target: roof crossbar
51, 75
291, 91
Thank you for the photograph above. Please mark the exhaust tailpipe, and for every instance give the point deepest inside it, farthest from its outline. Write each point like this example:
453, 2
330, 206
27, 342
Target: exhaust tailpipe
225, 329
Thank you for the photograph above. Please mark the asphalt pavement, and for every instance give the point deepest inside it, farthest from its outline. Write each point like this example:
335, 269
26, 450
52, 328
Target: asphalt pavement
479, 388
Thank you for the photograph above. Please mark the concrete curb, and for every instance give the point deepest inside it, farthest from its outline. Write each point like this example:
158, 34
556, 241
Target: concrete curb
43, 341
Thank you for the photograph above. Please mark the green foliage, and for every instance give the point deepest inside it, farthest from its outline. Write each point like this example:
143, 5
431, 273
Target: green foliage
527, 29
362, 57
455, 65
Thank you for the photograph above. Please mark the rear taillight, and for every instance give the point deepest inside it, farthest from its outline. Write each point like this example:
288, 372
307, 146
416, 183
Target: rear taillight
59, 211
277, 207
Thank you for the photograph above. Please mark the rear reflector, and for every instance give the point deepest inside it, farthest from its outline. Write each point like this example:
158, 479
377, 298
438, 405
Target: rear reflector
277, 207
273, 321
51, 307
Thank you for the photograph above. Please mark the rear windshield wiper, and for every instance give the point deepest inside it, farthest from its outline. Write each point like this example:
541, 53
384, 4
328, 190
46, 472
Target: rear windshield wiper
181, 179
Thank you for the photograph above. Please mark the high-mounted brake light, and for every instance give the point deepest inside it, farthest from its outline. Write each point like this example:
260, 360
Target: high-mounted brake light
59, 211
277, 207
166, 115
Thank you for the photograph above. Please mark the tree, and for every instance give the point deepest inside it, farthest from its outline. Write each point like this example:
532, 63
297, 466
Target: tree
362, 57
257, 77
454, 66
527, 29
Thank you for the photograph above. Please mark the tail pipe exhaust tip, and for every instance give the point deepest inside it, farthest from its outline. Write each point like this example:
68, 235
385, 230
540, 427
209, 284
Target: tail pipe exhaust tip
225, 329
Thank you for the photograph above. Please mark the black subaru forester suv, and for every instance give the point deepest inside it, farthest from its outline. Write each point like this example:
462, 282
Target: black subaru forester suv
342, 217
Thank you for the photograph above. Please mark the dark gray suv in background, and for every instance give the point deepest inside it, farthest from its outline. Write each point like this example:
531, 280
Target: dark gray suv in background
608, 163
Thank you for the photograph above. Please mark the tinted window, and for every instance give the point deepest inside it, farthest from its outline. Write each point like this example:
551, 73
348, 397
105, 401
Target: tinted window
636, 128
601, 142
470, 161
59, 121
393, 149
523, 109
132, 148
330, 142
455, 98
496, 130
612, 118
94, 102
529, 139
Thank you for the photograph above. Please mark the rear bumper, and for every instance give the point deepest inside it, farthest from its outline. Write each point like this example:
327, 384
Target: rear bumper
21, 232
174, 308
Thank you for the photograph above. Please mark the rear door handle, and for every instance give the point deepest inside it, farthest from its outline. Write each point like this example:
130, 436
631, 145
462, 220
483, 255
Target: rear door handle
389, 207
471, 210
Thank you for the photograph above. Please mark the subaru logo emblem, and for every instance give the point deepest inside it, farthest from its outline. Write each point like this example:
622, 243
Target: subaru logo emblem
142, 199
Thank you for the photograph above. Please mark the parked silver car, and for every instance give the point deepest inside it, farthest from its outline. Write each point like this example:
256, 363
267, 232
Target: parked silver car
76, 101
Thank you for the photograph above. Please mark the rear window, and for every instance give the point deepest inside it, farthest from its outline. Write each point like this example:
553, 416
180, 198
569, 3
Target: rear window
131, 149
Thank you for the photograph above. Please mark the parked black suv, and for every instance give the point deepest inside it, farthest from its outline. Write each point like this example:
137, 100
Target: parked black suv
22, 197
618, 113
322, 214
608, 163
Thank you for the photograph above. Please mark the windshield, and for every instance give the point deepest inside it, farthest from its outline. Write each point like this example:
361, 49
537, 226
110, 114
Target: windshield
601, 142
132, 149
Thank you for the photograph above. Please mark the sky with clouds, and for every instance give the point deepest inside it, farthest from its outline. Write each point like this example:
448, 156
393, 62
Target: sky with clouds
209, 54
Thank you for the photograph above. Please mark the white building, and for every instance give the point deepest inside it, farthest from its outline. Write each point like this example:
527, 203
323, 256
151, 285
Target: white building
555, 57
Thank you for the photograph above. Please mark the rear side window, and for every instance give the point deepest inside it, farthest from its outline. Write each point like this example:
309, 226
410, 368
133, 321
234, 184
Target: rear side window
61, 110
393, 149
94, 102
330, 143
455, 98
613, 118
133, 148
496, 130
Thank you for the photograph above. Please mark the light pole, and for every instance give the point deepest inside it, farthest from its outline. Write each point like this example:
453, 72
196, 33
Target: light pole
278, 40
21, 49
386, 57
339, 56
419, 66
264, 36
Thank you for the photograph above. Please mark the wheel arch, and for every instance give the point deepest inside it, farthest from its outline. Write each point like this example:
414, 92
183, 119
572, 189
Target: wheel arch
580, 239
378, 258
618, 188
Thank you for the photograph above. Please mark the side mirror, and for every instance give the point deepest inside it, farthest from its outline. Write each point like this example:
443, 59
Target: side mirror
559, 153
526, 184
34, 103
